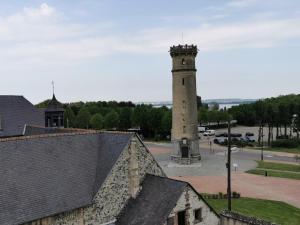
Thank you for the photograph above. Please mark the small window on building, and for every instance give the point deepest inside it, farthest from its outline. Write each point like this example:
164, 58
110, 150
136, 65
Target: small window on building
183, 62
183, 129
198, 215
183, 81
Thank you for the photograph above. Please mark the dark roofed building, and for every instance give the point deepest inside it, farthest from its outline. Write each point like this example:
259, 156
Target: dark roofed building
54, 113
164, 206
15, 113
91, 178
151, 207
54, 174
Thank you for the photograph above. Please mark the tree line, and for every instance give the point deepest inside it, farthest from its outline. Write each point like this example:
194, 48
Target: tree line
279, 113
151, 121
275, 113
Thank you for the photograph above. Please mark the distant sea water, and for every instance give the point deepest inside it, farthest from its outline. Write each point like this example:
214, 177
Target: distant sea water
227, 106
223, 103
221, 106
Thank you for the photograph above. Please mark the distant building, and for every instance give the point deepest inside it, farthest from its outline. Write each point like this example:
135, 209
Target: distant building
54, 114
84, 177
184, 111
15, 113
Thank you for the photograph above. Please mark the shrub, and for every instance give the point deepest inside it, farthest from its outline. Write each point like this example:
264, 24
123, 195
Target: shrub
285, 143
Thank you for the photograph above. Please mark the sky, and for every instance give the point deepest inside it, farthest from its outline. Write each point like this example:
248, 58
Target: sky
118, 50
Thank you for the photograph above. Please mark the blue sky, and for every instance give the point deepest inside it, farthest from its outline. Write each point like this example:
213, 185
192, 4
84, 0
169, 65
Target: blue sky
118, 50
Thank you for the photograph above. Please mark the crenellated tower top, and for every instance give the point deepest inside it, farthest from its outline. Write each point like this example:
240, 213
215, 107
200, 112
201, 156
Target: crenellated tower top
181, 50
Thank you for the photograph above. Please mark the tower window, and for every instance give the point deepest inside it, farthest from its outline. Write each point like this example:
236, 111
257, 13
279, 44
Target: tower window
183, 81
183, 129
183, 62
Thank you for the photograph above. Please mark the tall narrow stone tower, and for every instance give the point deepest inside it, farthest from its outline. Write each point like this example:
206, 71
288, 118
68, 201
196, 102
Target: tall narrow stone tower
184, 113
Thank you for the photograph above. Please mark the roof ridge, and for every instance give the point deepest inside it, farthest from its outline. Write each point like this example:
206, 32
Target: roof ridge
19, 138
77, 131
181, 181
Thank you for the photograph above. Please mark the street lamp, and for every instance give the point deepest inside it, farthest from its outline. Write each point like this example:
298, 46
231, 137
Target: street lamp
262, 143
228, 165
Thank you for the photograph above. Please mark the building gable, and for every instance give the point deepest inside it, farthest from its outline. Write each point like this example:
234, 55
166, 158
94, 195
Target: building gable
193, 209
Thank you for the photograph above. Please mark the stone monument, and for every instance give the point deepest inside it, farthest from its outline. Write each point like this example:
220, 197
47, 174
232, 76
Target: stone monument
184, 111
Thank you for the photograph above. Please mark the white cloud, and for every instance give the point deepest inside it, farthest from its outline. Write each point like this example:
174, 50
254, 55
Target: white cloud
42, 35
243, 3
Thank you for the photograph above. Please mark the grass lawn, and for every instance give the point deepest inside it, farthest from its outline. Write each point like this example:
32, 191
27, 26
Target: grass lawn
289, 150
272, 173
274, 211
277, 170
278, 166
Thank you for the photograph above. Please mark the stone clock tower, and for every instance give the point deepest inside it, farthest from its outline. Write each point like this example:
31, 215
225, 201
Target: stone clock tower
184, 112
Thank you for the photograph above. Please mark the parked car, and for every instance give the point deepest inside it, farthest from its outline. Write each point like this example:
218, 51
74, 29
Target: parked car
224, 134
249, 137
209, 133
236, 137
220, 140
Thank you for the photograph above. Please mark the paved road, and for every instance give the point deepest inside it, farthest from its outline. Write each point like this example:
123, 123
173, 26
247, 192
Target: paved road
209, 175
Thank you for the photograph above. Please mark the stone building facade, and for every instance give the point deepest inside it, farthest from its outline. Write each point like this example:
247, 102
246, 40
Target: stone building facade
184, 111
194, 209
90, 178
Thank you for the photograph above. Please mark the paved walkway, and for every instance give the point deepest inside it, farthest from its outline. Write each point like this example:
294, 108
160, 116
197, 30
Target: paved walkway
279, 189
209, 176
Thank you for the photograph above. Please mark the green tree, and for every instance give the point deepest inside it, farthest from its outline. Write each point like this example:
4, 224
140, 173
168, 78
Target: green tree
155, 117
83, 118
140, 118
69, 117
125, 118
202, 115
97, 121
166, 123
111, 120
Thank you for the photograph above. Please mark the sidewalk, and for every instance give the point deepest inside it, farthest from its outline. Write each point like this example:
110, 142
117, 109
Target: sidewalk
279, 189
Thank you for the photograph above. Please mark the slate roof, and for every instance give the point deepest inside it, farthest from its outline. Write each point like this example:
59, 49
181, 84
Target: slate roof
154, 203
50, 174
15, 112
30, 130
54, 105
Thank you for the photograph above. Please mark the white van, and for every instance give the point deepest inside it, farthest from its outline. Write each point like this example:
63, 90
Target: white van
201, 129
209, 133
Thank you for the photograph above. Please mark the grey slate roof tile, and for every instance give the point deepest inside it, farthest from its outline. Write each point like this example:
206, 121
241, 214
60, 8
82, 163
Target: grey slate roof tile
154, 203
47, 175
15, 112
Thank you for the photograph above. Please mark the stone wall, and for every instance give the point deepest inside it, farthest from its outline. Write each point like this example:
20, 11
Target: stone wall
190, 201
233, 218
122, 183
